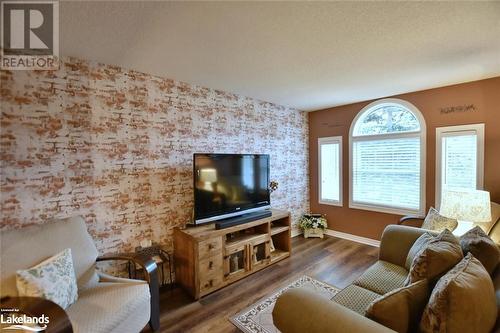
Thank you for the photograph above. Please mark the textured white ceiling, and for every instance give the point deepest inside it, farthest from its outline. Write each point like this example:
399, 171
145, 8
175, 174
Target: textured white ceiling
307, 55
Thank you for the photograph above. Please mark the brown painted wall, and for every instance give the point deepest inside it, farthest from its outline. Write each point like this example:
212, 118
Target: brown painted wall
485, 95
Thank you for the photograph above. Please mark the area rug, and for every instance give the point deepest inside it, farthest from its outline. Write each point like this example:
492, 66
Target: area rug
258, 318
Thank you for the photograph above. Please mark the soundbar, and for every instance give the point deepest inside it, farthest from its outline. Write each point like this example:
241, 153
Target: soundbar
245, 218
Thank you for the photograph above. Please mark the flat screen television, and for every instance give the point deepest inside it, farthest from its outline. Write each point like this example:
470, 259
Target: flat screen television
228, 185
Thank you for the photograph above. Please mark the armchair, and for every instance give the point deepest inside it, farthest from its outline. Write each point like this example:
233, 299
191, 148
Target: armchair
105, 303
492, 228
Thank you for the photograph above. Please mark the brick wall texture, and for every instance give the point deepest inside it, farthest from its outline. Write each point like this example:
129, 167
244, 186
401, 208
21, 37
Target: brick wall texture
116, 145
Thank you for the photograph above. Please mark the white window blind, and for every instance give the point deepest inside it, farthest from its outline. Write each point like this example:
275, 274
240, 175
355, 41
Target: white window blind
459, 161
330, 165
386, 172
459, 158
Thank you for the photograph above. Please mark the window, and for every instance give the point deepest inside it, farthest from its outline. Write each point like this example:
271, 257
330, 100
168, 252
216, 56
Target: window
330, 170
387, 158
459, 158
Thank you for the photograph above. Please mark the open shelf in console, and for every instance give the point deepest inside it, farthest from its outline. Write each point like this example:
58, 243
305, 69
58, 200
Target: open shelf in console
278, 229
245, 238
278, 254
256, 234
280, 236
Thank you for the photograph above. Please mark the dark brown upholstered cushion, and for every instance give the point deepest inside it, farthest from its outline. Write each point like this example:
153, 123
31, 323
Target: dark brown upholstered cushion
484, 249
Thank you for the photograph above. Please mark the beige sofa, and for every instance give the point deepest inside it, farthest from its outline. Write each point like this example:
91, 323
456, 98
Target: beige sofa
298, 310
105, 304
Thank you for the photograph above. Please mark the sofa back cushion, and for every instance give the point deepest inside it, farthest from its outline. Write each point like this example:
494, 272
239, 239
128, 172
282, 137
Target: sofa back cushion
435, 258
401, 309
463, 300
27, 247
417, 247
482, 247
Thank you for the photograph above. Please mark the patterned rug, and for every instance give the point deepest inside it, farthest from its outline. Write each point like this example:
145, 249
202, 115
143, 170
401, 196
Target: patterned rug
258, 318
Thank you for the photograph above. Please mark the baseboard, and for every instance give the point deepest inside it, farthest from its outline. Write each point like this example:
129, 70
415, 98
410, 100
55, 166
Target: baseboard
296, 232
351, 237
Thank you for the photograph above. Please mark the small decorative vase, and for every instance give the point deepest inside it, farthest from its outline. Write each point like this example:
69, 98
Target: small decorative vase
318, 232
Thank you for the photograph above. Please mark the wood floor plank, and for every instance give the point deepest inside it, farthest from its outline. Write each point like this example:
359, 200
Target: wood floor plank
333, 260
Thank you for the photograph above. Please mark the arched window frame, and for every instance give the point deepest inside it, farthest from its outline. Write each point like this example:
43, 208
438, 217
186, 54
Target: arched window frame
421, 134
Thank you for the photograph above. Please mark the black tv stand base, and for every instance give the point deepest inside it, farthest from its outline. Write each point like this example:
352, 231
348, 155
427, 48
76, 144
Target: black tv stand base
245, 218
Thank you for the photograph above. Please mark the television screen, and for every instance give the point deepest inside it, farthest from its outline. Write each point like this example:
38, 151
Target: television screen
227, 185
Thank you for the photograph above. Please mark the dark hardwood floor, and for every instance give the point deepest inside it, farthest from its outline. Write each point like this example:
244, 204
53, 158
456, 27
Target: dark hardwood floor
335, 261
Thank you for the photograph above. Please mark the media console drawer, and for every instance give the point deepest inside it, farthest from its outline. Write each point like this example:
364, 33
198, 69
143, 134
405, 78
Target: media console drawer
209, 265
209, 247
210, 281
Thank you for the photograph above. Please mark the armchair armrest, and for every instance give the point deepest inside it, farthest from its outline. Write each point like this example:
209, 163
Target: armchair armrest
299, 310
412, 221
151, 277
146, 263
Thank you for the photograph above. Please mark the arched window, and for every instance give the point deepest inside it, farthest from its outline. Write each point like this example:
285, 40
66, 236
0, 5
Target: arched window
387, 158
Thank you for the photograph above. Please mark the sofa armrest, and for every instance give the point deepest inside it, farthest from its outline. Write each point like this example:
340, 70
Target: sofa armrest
411, 221
151, 276
299, 310
396, 243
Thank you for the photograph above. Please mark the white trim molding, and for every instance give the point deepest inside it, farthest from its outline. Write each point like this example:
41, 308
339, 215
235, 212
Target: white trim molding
442, 132
351, 237
330, 140
296, 232
419, 134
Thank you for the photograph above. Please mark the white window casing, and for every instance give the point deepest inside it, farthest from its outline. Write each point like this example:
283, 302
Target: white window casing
330, 170
387, 160
459, 158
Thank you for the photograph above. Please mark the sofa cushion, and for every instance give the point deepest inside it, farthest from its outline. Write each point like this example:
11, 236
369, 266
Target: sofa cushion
463, 300
419, 244
401, 309
53, 279
436, 258
382, 277
45, 241
482, 247
437, 222
111, 307
355, 298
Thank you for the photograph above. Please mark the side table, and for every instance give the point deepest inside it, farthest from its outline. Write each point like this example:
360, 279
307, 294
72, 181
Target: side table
160, 256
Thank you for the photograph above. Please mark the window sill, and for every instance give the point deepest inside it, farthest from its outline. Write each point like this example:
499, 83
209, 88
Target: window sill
387, 210
331, 203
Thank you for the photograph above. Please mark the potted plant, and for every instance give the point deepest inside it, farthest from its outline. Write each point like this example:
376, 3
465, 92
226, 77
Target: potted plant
313, 225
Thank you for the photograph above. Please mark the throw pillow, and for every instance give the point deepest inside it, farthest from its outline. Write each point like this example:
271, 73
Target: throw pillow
436, 222
484, 249
419, 244
53, 279
436, 258
463, 301
401, 309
